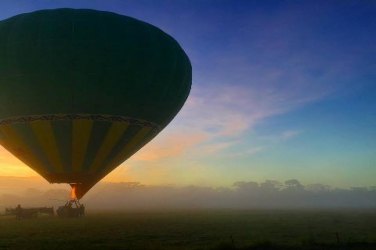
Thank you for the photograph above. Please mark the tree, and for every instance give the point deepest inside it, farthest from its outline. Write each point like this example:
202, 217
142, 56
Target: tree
293, 184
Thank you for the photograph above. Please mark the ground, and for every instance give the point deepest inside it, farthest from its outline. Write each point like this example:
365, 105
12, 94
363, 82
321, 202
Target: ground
201, 229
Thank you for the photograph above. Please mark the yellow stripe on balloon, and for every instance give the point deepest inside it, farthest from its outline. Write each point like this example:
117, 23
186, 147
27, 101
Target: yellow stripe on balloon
46, 138
80, 139
125, 152
2, 137
12, 141
113, 135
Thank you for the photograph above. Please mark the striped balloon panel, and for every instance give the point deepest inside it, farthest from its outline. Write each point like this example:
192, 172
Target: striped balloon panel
74, 150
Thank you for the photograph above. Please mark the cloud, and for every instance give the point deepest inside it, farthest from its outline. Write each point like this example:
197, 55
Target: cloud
247, 152
289, 134
174, 144
215, 119
259, 74
217, 147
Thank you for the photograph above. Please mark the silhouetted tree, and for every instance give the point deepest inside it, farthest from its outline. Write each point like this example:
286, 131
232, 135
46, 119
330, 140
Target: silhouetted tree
270, 186
293, 184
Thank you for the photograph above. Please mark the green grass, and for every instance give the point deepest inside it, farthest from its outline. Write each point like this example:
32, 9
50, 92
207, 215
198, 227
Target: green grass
209, 229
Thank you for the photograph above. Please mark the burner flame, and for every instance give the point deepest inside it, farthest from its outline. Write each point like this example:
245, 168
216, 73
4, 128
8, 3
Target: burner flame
73, 193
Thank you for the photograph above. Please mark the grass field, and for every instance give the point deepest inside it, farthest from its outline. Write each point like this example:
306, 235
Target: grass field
211, 229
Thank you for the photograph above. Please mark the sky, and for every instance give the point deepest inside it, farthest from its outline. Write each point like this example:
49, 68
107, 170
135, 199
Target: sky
281, 90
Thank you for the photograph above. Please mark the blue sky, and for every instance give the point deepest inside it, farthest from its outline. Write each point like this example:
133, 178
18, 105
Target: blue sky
281, 90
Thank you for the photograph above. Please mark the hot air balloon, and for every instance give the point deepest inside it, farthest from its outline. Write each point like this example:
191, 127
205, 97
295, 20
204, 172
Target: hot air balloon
82, 90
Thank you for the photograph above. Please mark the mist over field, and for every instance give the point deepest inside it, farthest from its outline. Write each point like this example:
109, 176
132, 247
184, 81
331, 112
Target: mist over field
270, 194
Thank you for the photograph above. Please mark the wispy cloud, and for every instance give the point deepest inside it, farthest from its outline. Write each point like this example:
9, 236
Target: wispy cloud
289, 134
215, 119
258, 74
247, 152
174, 144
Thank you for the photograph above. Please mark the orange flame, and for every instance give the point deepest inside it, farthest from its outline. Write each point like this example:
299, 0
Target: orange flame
73, 193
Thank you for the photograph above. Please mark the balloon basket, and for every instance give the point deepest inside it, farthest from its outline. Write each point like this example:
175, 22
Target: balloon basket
72, 209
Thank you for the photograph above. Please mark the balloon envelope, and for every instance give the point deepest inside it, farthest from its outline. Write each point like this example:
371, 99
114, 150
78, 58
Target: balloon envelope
83, 90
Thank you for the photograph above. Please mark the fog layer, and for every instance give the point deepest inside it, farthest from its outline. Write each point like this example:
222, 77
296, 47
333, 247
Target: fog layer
269, 194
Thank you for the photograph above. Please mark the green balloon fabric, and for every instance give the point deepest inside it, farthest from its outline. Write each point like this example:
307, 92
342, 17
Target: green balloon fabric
83, 90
